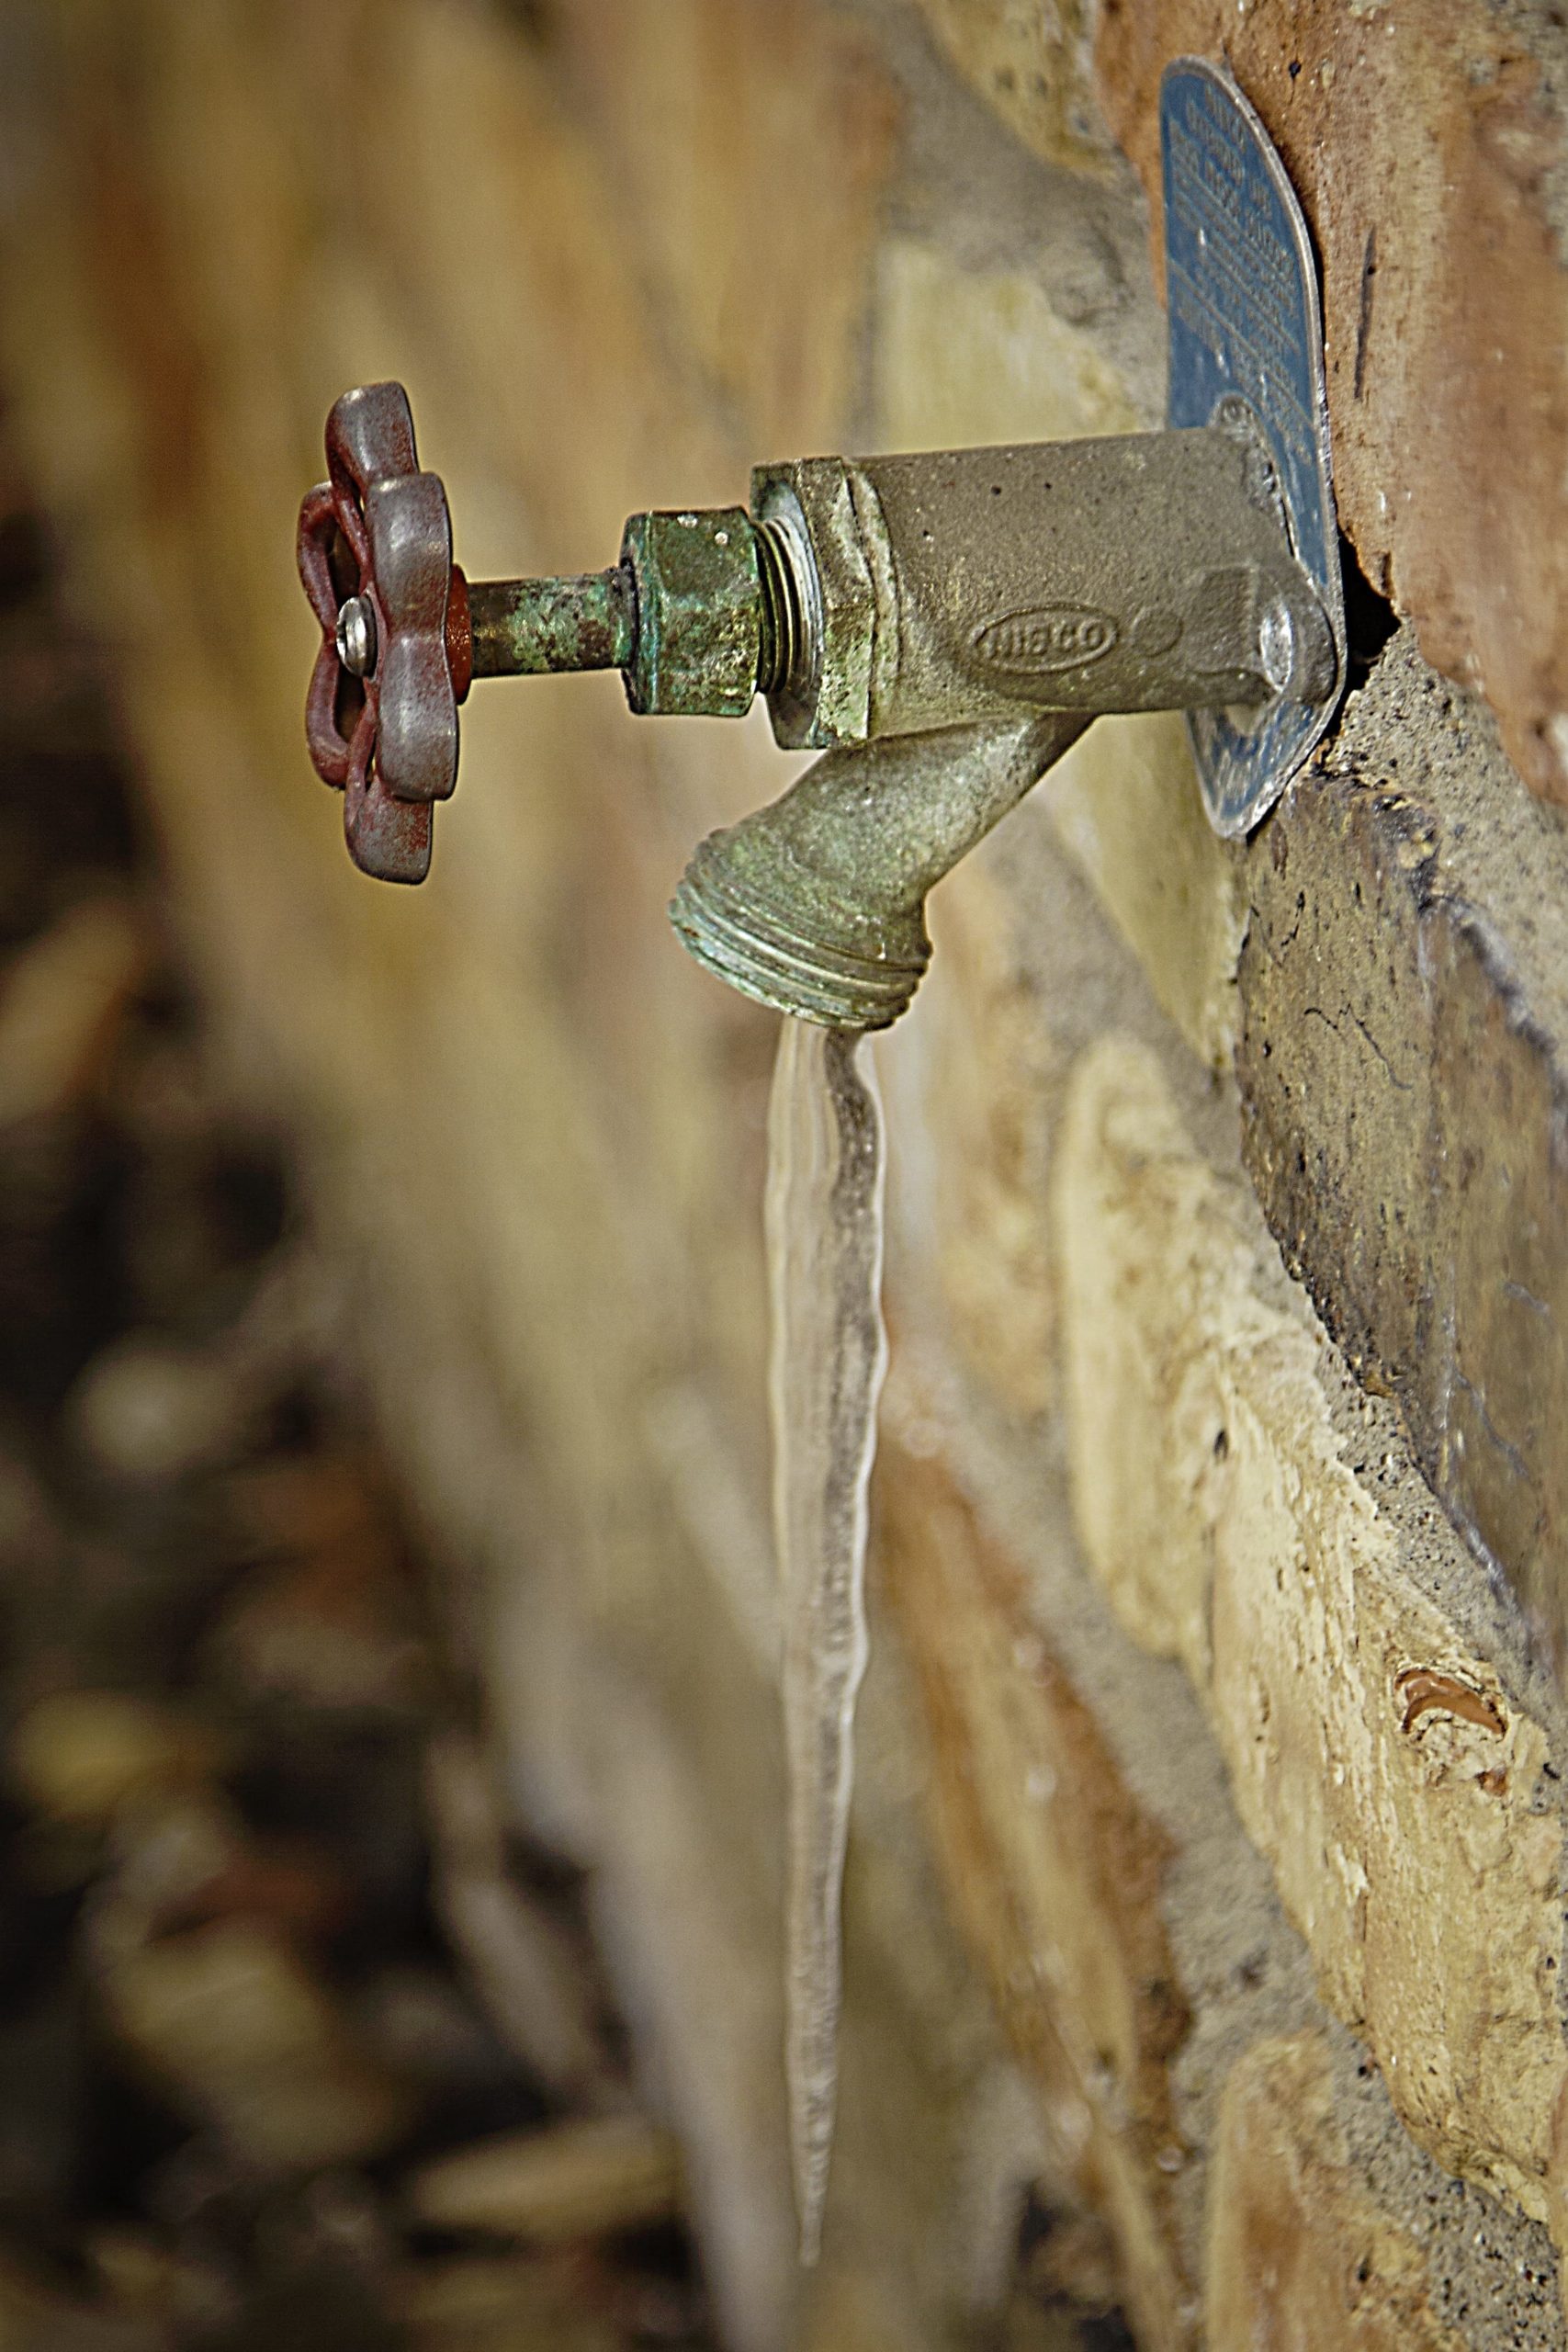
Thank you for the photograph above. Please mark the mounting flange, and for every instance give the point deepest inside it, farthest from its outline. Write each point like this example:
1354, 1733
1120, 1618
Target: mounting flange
1246, 336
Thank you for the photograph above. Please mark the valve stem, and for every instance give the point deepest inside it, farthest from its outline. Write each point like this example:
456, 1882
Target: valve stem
525, 627
704, 610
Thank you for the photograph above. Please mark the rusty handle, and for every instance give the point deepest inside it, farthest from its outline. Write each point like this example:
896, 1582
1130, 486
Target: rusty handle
693, 615
375, 556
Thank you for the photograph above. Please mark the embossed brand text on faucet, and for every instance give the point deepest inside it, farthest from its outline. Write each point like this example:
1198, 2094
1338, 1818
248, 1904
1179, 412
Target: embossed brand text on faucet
1048, 637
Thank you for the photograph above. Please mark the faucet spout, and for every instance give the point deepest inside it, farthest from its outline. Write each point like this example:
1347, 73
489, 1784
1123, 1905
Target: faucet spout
816, 904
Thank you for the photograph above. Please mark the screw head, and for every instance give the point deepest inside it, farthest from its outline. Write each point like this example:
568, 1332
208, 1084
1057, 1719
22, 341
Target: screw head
357, 637
1277, 644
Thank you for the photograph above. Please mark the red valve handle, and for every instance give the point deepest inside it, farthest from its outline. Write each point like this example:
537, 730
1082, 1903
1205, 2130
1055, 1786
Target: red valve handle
379, 531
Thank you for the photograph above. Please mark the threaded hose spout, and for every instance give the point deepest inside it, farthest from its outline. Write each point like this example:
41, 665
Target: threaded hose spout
816, 904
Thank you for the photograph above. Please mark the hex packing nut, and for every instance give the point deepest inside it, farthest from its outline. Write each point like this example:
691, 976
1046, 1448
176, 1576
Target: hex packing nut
699, 612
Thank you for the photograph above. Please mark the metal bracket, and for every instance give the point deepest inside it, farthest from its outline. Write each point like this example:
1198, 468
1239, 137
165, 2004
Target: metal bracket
1245, 339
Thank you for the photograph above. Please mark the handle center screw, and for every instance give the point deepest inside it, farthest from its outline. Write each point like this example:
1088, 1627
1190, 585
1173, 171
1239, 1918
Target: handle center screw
357, 637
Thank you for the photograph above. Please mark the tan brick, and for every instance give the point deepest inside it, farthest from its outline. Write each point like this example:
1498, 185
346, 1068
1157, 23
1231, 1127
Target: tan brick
1300, 2257
966, 356
1427, 142
748, 140
984, 1064
1402, 1082
1125, 802
847, 2316
1035, 65
489, 223
1397, 1788
1053, 1869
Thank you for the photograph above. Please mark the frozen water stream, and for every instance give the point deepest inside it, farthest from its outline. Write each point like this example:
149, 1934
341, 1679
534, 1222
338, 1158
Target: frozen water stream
824, 1225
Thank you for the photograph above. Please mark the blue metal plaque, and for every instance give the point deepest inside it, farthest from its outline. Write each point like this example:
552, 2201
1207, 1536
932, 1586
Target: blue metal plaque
1246, 349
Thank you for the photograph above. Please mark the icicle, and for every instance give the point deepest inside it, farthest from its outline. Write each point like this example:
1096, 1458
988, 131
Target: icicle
824, 1223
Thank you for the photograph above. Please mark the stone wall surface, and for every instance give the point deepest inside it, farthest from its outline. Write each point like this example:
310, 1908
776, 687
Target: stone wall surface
1206, 1876
1426, 141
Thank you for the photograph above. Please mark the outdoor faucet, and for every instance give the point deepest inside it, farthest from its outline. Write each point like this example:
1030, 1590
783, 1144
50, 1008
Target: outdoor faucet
942, 626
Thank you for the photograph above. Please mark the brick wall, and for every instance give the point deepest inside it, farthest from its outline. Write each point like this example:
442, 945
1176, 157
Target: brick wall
1206, 1877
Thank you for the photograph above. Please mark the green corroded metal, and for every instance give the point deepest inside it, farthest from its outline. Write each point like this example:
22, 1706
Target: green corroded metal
816, 904
958, 618
524, 628
691, 615
940, 625
1134, 571
700, 612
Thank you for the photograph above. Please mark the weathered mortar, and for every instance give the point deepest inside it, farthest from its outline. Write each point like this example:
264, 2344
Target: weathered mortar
1404, 991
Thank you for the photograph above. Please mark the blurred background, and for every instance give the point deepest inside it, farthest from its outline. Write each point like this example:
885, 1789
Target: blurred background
390, 1777
274, 1957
